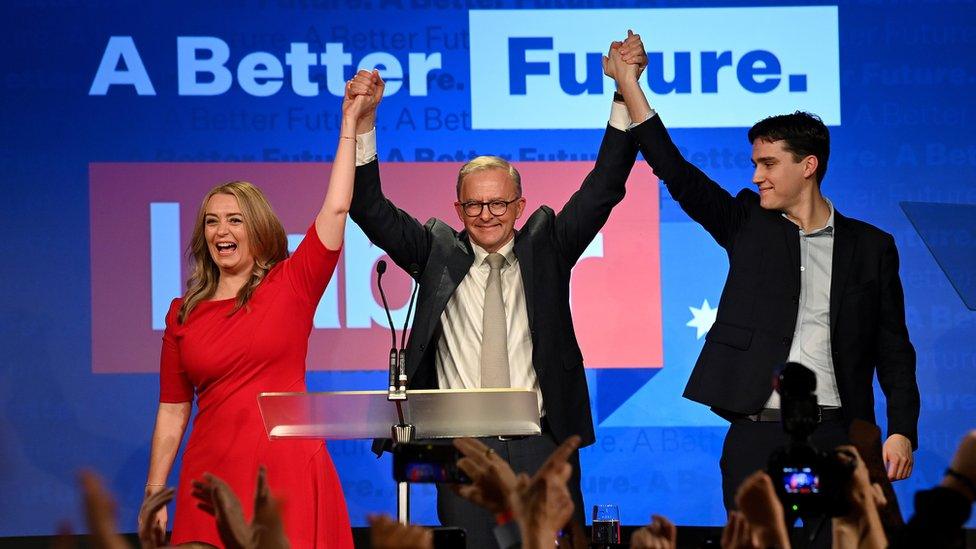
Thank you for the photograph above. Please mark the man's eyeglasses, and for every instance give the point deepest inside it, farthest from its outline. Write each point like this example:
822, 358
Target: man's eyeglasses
495, 207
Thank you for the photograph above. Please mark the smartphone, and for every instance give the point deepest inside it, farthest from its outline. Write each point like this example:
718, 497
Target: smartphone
449, 537
427, 463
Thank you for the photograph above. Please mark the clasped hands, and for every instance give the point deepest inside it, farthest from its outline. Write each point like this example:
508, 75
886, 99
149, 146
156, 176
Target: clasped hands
625, 61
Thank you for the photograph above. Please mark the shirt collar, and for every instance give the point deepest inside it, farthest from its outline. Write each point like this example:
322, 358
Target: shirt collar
828, 228
508, 251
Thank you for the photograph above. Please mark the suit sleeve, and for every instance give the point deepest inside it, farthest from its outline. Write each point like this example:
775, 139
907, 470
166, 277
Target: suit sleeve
398, 233
704, 200
582, 217
896, 355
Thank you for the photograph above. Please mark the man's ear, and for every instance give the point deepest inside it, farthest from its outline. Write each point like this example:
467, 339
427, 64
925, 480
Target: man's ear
460, 211
810, 165
520, 207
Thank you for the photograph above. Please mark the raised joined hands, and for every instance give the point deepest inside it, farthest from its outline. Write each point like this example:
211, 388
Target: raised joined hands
625, 61
364, 91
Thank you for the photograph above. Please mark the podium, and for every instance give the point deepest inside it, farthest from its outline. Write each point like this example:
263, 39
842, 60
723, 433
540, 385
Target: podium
426, 414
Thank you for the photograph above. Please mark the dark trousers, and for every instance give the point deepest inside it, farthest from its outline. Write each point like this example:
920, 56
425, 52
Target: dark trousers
524, 455
747, 448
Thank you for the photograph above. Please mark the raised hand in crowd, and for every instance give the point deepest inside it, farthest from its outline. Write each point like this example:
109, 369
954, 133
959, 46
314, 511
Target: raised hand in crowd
151, 532
267, 530
370, 85
861, 527
492, 478
941, 512
64, 539
737, 533
540, 504
218, 499
386, 533
757, 500
963, 468
661, 533
100, 514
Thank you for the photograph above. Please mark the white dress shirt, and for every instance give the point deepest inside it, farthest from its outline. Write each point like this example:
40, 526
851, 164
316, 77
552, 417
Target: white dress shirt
811, 340
458, 358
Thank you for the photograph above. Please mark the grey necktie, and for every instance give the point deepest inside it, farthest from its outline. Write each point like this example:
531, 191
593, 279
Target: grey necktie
494, 334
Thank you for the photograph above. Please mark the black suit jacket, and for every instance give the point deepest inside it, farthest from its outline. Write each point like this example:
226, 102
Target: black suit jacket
756, 318
547, 247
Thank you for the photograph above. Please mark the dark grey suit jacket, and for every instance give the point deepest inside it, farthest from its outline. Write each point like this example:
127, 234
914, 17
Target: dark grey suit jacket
757, 312
547, 247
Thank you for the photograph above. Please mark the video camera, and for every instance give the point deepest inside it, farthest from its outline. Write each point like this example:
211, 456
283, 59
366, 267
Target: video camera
809, 482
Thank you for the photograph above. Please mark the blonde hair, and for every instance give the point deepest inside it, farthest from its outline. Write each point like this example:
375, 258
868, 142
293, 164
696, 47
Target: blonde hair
482, 163
266, 239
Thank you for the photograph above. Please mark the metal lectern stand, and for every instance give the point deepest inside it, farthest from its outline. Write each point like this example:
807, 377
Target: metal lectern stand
426, 414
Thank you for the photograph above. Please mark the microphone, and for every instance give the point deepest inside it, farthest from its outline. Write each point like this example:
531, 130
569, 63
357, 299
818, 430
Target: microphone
394, 356
402, 368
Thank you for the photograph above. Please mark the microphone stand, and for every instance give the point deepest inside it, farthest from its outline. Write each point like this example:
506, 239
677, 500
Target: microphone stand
402, 432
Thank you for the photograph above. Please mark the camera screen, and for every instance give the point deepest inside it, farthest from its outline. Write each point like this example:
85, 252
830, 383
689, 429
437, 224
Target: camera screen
801, 480
419, 471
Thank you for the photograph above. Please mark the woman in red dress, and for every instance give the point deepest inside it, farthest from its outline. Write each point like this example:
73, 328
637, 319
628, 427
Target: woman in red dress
240, 329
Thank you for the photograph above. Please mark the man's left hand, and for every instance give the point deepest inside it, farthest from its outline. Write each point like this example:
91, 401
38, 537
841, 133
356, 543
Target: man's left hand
897, 454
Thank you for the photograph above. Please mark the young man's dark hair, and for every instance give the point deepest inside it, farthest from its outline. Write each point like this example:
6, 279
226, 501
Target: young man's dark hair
804, 134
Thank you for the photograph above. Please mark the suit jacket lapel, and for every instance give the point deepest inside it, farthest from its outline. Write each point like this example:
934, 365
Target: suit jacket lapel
791, 235
845, 241
523, 251
455, 268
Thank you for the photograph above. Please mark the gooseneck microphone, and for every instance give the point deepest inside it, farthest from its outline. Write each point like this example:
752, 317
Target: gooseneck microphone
402, 369
394, 356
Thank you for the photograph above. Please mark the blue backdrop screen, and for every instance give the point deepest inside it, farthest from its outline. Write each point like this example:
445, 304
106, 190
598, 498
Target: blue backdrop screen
101, 100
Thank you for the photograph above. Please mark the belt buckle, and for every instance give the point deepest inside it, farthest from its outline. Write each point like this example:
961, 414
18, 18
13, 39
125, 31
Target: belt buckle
819, 415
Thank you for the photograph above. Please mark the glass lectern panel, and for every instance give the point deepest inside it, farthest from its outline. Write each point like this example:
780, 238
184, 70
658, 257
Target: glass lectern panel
433, 413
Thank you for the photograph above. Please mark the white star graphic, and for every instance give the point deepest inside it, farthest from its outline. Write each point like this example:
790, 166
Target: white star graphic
703, 318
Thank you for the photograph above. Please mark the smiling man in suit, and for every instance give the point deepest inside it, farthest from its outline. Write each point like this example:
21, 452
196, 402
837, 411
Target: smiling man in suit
806, 284
493, 308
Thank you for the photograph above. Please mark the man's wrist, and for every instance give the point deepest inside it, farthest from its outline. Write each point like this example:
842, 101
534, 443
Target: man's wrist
627, 85
365, 124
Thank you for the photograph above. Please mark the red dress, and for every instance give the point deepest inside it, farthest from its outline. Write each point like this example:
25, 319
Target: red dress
228, 360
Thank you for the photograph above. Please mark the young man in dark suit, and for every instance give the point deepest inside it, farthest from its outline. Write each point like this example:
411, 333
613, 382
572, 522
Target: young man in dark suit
493, 308
806, 284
